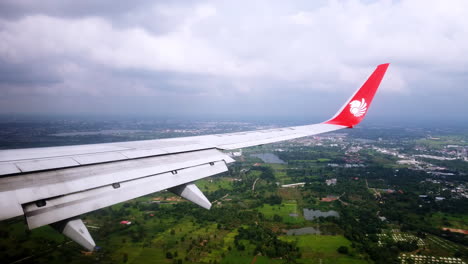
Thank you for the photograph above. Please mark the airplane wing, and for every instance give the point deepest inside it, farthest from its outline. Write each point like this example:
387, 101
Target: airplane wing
54, 185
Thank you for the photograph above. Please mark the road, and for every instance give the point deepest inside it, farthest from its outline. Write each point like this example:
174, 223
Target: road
253, 185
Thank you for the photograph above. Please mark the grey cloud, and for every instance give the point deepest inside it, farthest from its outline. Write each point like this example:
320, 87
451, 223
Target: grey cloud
278, 57
26, 74
70, 8
145, 14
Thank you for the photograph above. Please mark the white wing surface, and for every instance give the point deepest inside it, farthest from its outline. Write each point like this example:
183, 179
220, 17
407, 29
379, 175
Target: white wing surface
55, 185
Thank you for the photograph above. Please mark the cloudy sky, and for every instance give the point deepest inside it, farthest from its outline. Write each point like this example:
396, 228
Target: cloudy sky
232, 58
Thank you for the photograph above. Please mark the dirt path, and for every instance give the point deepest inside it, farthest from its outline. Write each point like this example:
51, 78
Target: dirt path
215, 201
254, 260
377, 194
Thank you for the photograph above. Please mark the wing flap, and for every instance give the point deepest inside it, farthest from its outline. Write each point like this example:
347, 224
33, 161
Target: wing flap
46, 164
99, 158
8, 168
141, 153
51, 163
52, 152
32, 187
64, 207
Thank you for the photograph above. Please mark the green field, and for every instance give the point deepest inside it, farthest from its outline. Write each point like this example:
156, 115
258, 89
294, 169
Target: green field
238, 258
280, 170
185, 241
439, 142
323, 249
450, 221
283, 210
213, 184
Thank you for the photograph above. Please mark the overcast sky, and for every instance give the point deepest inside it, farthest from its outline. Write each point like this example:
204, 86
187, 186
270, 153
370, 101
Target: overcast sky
233, 58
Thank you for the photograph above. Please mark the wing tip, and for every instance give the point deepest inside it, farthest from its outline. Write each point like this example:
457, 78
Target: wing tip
383, 66
353, 111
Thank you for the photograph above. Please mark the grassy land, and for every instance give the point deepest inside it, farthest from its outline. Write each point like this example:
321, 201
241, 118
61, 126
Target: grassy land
236, 257
283, 210
213, 184
280, 171
438, 246
442, 141
451, 221
206, 244
318, 247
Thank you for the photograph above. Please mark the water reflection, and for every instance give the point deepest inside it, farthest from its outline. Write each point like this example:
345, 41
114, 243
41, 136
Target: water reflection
303, 231
311, 214
268, 158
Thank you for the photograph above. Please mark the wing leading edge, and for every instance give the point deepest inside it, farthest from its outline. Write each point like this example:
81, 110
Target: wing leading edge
55, 185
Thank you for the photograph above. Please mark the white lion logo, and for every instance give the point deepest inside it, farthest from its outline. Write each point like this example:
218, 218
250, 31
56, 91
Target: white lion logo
358, 108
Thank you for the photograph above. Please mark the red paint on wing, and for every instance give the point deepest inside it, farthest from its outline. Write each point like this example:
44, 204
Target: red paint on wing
356, 108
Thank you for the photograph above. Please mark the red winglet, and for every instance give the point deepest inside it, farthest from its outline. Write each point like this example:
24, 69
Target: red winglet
356, 108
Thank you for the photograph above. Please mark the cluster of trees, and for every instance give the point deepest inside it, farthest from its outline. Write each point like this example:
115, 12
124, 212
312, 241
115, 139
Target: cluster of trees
298, 154
266, 172
343, 250
360, 225
273, 199
266, 243
414, 214
455, 166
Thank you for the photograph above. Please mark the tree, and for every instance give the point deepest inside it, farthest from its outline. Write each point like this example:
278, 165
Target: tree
273, 199
343, 250
277, 218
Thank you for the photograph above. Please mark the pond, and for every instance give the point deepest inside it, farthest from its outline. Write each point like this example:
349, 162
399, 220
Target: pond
303, 231
269, 158
311, 214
